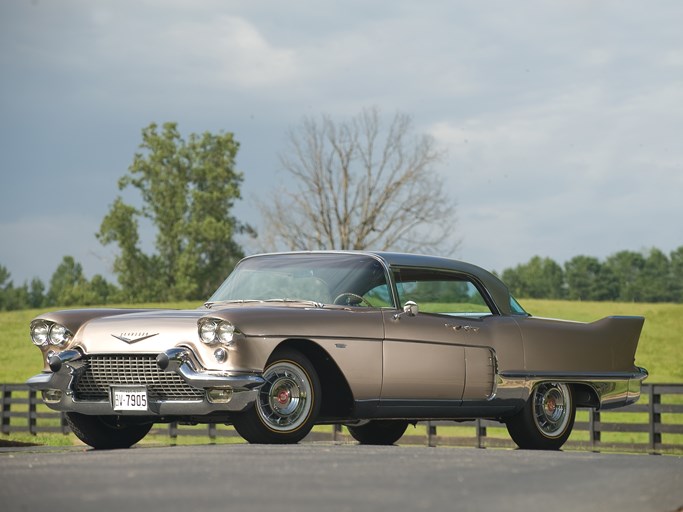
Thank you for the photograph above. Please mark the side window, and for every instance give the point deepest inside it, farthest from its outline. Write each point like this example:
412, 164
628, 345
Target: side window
446, 293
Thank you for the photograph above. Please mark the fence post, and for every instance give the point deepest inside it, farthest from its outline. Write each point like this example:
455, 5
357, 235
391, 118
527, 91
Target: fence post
32, 413
655, 419
5, 414
212, 433
594, 433
173, 432
431, 434
481, 433
66, 429
336, 432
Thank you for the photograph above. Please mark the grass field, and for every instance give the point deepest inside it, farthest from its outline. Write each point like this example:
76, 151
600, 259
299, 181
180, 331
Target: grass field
660, 351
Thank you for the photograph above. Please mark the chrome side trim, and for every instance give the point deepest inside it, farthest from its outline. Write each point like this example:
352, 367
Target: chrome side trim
639, 373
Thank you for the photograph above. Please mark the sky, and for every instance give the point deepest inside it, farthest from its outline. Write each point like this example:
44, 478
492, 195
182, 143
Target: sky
561, 121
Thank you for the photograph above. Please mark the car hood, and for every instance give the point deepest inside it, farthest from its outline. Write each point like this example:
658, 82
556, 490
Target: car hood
150, 331
147, 331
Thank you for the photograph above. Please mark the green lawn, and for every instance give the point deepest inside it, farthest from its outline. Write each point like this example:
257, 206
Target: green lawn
19, 358
659, 351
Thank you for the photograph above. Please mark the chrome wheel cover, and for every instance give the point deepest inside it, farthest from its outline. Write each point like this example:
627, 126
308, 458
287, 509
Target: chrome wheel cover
552, 406
285, 400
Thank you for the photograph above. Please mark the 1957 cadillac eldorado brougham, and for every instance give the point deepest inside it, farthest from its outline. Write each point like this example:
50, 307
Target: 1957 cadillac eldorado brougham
372, 340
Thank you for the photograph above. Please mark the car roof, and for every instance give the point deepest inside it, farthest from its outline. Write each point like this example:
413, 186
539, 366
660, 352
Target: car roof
494, 286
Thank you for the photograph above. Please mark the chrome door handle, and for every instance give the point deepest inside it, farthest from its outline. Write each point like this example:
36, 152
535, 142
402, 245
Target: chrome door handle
466, 328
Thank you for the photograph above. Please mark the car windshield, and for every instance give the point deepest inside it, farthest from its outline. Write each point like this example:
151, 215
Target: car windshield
324, 278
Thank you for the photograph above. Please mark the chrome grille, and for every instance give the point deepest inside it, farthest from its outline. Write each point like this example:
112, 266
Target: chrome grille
101, 372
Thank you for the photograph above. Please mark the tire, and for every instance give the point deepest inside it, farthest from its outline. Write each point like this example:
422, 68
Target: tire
379, 432
547, 419
287, 404
103, 433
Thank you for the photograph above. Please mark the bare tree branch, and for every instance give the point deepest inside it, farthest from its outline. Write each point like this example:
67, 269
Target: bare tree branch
360, 185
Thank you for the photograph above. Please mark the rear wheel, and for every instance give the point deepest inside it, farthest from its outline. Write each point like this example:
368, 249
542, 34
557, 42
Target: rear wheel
547, 419
287, 405
106, 432
381, 432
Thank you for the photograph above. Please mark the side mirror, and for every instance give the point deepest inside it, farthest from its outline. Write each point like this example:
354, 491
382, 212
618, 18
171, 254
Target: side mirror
410, 308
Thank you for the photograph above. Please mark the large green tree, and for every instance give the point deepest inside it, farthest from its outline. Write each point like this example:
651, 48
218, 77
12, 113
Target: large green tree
655, 283
540, 278
627, 266
70, 287
187, 190
67, 283
588, 279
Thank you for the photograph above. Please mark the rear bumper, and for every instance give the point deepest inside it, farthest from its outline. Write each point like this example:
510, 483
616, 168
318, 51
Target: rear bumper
58, 387
613, 390
620, 393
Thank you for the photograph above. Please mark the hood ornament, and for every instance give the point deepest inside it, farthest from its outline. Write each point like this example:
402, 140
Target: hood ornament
133, 337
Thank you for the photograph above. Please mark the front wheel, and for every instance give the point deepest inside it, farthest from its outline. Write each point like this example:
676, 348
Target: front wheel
379, 432
547, 419
106, 432
287, 404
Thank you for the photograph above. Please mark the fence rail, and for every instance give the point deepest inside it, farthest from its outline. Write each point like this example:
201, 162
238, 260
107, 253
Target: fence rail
653, 425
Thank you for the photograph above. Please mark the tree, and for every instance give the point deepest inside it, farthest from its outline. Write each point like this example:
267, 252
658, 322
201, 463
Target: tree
540, 278
654, 284
36, 293
67, 283
581, 273
5, 285
627, 267
358, 184
588, 279
188, 189
22, 297
676, 258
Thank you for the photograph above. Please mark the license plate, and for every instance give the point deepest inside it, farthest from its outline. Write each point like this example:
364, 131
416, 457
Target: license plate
130, 399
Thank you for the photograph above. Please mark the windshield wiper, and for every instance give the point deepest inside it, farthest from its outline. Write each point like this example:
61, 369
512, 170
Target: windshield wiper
209, 305
300, 301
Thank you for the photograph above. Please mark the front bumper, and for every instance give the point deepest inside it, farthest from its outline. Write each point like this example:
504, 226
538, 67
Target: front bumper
59, 387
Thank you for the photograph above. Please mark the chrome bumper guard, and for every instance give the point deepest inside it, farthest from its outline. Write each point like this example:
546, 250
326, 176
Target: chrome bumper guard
67, 365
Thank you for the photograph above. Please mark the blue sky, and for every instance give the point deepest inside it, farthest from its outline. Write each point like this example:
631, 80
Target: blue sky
561, 120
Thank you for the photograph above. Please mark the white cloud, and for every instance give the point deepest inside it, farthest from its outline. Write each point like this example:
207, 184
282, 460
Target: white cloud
562, 119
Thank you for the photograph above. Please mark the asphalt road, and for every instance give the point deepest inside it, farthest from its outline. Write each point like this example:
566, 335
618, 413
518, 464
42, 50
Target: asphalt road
329, 477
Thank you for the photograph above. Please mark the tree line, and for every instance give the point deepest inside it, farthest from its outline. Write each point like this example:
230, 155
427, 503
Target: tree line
626, 276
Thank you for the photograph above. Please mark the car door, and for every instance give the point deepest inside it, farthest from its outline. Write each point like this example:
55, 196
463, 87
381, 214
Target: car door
443, 353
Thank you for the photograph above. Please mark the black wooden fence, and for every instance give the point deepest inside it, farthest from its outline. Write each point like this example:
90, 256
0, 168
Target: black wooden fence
653, 425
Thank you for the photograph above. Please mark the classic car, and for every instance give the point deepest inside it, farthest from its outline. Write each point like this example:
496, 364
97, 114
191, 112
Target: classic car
372, 340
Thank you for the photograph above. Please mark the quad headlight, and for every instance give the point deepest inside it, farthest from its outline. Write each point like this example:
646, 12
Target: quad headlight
207, 330
44, 333
40, 331
213, 330
59, 335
